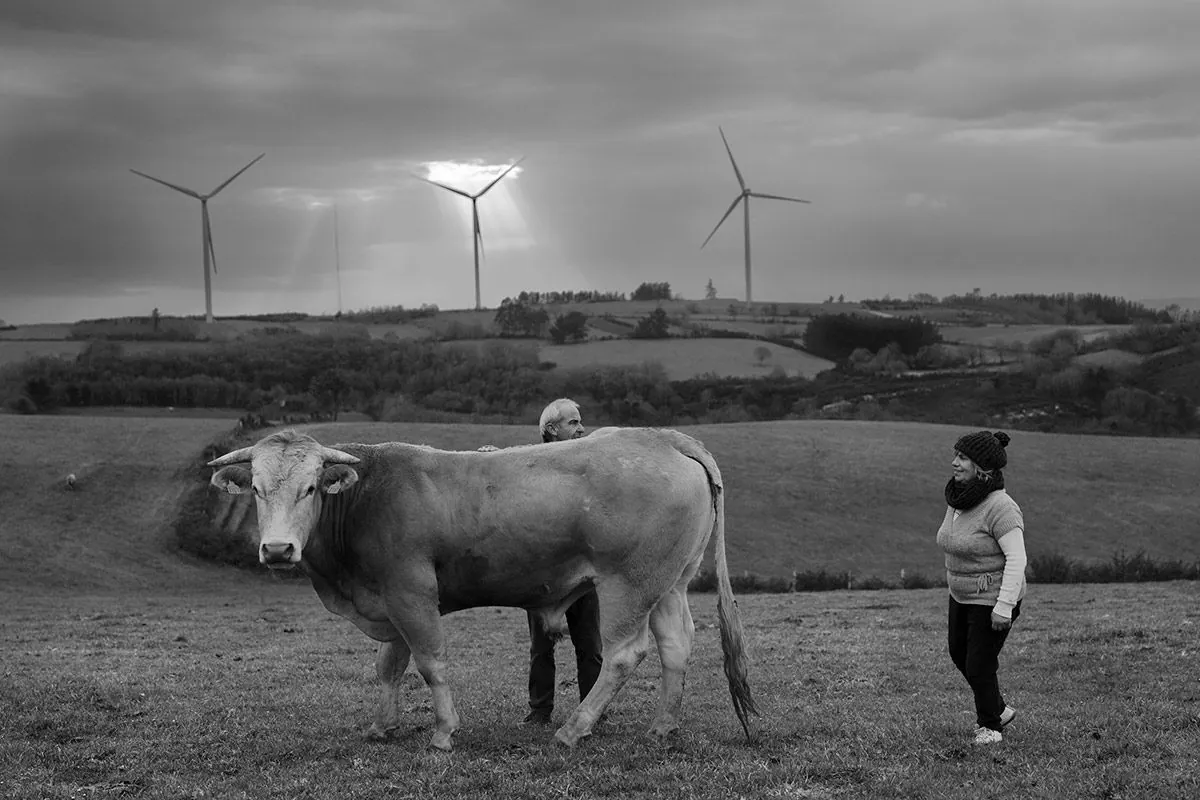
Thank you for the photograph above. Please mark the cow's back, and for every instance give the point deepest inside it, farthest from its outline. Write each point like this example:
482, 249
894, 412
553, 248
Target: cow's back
527, 526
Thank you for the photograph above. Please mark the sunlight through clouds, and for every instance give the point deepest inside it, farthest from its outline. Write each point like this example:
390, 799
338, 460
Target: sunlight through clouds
501, 219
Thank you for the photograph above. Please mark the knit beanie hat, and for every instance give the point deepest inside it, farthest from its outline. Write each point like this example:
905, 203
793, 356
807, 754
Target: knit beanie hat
985, 448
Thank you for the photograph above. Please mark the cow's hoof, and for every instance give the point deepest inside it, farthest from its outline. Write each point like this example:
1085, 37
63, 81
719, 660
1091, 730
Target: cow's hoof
441, 741
376, 734
663, 728
569, 738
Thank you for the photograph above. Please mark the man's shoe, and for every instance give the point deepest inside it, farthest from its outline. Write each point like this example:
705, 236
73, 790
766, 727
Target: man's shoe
1007, 716
987, 736
539, 716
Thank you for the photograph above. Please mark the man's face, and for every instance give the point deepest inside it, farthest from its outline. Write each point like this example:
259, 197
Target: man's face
569, 427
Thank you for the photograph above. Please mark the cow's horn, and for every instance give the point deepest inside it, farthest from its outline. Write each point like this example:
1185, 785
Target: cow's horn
332, 456
236, 457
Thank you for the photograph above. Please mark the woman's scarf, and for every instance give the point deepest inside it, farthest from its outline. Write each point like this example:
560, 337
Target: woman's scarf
963, 496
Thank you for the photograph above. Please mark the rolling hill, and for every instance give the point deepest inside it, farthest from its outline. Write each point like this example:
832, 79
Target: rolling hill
802, 495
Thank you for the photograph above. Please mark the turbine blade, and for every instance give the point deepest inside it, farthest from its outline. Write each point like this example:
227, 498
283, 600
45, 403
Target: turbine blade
511, 167
183, 189
736, 171
234, 177
732, 206
779, 197
444, 186
478, 230
208, 238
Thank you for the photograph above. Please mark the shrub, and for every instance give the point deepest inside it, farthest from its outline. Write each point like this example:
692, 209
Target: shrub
569, 327
836, 336
1059, 344
820, 581
655, 325
515, 318
1120, 568
652, 291
915, 580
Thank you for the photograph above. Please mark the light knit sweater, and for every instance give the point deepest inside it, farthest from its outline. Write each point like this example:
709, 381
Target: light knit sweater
985, 553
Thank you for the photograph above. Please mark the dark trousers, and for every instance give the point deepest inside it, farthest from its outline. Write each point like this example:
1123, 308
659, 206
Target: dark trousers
583, 622
975, 650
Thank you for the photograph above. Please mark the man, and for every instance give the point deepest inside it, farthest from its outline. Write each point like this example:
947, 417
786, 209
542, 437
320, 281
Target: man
561, 421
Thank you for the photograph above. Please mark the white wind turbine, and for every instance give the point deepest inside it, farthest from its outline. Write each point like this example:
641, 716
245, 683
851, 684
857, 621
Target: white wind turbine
210, 257
744, 197
474, 198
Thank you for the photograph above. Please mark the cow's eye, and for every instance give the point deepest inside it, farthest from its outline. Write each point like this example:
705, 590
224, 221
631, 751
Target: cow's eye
310, 490
257, 493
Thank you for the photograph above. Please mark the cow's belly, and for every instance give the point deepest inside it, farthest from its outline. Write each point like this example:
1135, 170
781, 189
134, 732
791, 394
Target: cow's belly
528, 587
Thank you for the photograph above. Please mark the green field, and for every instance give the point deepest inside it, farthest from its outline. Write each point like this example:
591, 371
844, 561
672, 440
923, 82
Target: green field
127, 670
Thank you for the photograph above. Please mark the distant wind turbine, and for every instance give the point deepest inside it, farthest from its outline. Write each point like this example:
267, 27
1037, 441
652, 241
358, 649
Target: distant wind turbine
337, 258
210, 256
744, 197
474, 198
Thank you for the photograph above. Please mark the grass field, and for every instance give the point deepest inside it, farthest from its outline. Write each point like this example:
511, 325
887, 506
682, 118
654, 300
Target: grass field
687, 358
126, 670
254, 690
867, 496
993, 335
111, 530
864, 497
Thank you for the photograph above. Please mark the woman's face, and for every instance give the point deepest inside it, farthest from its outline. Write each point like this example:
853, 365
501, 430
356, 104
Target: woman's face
964, 468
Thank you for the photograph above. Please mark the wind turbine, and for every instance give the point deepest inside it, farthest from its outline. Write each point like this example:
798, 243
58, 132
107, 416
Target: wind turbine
474, 198
337, 259
744, 197
210, 256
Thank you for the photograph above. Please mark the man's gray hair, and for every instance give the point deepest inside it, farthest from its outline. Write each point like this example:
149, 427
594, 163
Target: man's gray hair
555, 413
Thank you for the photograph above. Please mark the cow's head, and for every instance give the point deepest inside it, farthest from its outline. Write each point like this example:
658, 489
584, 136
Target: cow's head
289, 472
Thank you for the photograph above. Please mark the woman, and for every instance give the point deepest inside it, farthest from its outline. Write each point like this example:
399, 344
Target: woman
983, 538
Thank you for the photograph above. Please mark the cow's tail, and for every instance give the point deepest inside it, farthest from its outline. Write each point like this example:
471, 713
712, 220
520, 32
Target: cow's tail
733, 640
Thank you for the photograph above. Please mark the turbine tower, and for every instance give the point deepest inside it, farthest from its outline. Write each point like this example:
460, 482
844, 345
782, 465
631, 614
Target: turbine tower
474, 198
337, 259
210, 256
744, 197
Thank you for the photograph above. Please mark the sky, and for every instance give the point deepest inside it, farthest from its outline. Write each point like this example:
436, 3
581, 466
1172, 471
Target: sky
945, 145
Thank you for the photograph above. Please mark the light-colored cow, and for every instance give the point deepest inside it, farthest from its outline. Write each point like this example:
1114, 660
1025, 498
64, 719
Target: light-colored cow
394, 535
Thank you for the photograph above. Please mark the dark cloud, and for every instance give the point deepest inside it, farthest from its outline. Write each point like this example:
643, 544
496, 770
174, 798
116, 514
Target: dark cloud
942, 141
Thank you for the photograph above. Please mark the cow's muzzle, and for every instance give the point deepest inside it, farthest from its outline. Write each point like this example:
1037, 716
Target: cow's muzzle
281, 555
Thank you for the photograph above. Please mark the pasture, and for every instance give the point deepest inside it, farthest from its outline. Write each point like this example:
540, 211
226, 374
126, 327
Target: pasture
841, 495
998, 335
687, 358
251, 689
127, 670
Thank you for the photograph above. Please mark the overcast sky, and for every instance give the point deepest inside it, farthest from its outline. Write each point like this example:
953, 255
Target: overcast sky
1040, 146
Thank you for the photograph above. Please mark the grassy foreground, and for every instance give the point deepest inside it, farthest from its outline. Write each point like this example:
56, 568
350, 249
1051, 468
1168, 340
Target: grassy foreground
253, 690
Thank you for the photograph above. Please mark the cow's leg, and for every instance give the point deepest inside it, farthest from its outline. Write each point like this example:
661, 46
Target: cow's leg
420, 623
671, 622
624, 631
390, 663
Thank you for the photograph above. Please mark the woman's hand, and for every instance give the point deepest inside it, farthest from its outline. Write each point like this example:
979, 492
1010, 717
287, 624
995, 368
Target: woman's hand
1000, 623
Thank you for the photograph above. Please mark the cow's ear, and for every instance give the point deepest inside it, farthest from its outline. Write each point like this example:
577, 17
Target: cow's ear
232, 479
337, 478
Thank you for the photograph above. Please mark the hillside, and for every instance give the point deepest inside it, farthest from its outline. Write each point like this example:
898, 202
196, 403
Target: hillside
110, 531
803, 495
867, 496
